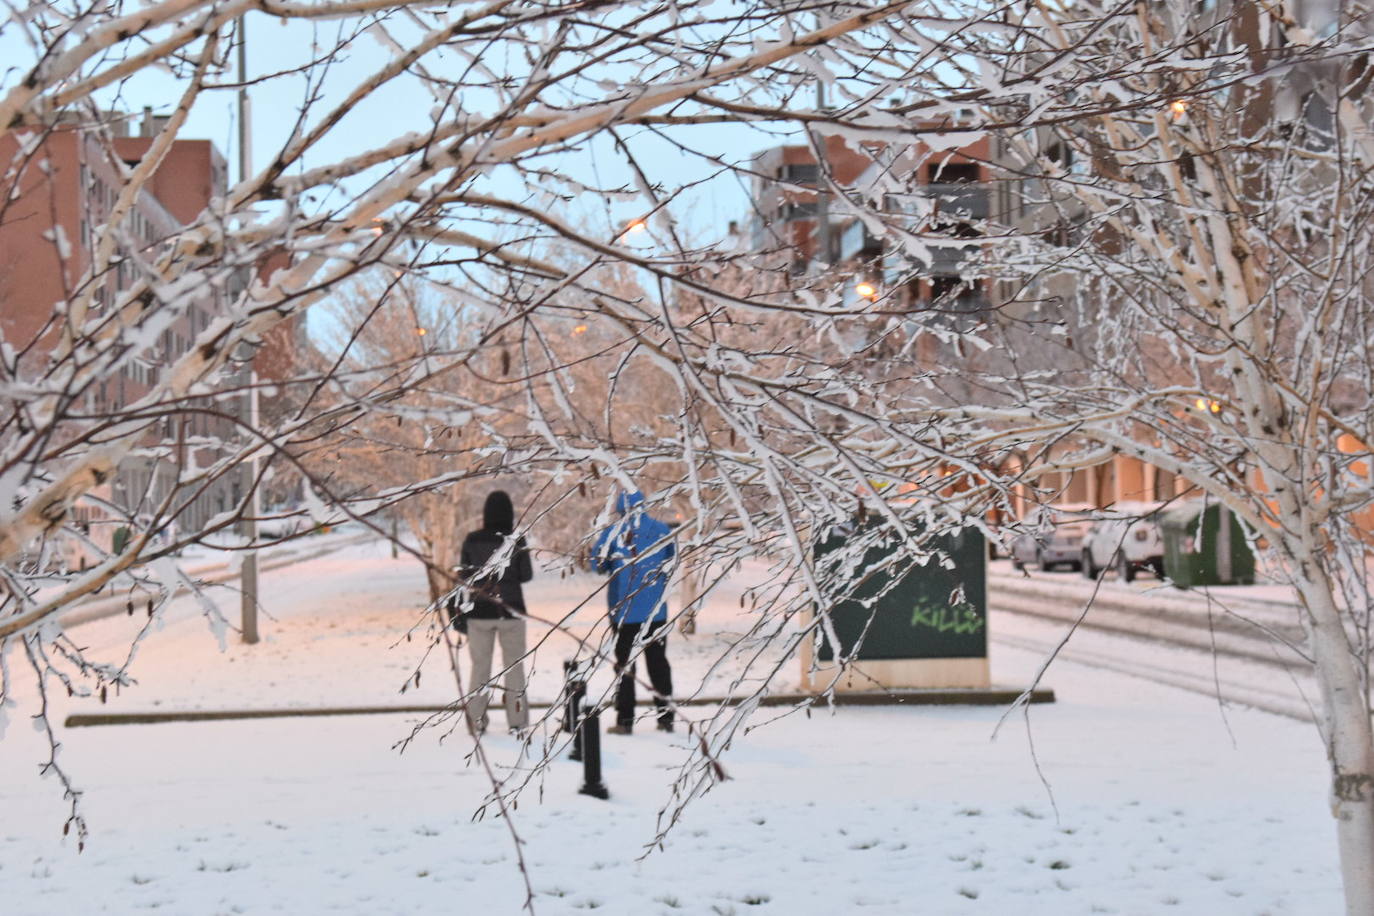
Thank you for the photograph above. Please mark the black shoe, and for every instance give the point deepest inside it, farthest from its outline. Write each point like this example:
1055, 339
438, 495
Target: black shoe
620, 730
665, 727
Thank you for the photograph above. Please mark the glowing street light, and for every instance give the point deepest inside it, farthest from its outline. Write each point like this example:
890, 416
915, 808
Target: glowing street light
866, 290
1179, 107
1205, 405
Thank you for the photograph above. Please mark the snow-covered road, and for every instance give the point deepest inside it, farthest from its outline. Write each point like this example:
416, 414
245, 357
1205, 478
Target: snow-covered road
1237, 646
1226, 680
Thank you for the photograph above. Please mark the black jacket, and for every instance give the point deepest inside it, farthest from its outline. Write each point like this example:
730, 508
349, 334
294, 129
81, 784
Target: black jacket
495, 595
478, 548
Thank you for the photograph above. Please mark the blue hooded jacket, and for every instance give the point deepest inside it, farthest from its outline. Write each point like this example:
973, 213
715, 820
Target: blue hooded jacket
638, 569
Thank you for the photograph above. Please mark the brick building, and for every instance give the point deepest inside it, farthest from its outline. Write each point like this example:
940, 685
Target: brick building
941, 200
785, 202
941, 197
59, 188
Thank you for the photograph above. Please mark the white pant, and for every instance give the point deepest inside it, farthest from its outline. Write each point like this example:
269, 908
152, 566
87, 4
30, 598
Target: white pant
482, 636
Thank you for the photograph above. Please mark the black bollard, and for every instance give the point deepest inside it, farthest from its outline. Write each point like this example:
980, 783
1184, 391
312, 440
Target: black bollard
574, 689
589, 737
569, 676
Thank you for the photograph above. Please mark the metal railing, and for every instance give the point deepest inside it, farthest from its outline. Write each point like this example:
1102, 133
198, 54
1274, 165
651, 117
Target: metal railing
959, 200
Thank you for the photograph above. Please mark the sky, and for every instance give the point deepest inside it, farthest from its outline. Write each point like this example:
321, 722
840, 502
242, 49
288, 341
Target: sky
707, 197
277, 47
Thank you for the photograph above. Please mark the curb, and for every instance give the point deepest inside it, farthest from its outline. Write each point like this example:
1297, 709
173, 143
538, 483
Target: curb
995, 696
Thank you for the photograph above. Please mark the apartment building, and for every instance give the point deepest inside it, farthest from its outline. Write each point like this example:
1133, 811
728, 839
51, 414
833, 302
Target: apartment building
59, 188
935, 200
788, 215
937, 204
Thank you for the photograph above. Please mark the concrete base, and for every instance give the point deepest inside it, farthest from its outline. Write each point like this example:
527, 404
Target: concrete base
897, 673
935, 696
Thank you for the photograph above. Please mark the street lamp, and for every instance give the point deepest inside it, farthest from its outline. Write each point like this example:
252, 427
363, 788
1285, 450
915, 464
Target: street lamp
1206, 405
248, 579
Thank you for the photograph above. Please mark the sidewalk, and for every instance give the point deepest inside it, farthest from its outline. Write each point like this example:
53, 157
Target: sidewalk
219, 566
347, 630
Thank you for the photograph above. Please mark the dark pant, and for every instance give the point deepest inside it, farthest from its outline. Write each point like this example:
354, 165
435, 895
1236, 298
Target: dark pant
655, 659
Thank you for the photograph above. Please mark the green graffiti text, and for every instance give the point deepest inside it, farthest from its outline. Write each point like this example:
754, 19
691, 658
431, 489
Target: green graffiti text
947, 618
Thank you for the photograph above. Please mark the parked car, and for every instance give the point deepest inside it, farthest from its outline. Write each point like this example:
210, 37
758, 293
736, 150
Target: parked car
1127, 538
282, 527
1055, 537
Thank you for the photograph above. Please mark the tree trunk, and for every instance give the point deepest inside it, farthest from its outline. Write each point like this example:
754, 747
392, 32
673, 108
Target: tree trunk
1346, 729
439, 584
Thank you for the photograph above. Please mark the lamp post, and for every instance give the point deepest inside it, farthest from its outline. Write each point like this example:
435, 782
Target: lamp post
248, 580
822, 198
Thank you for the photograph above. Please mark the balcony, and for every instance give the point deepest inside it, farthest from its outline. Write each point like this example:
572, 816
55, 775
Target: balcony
959, 313
795, 210
961, 201
951, 259
943, 259
802, 173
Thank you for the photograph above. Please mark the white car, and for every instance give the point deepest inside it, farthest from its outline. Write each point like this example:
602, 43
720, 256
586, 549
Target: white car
283, 527
1126, 538
1055, 537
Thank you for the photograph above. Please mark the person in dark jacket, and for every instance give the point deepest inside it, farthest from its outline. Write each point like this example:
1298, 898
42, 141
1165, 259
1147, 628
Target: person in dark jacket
494, 565
636, 553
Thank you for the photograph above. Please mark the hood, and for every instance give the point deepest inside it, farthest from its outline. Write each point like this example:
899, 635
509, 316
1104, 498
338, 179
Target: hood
627, 501
498, 515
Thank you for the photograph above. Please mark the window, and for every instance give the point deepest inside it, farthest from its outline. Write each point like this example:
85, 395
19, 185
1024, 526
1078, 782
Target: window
945, 289
953, 294
800, 173
1060, 153
953, 173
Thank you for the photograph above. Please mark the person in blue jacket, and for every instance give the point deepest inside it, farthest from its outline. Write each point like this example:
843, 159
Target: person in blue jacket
636, 553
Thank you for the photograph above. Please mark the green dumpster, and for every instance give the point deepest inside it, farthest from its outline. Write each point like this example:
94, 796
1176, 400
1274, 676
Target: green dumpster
1199, 550
925, 628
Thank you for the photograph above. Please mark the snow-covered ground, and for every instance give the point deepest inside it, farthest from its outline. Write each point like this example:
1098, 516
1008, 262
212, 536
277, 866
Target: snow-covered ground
1163, 805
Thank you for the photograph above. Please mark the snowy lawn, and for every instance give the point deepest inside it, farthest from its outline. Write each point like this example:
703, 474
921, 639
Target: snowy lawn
866, 810
335, 633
